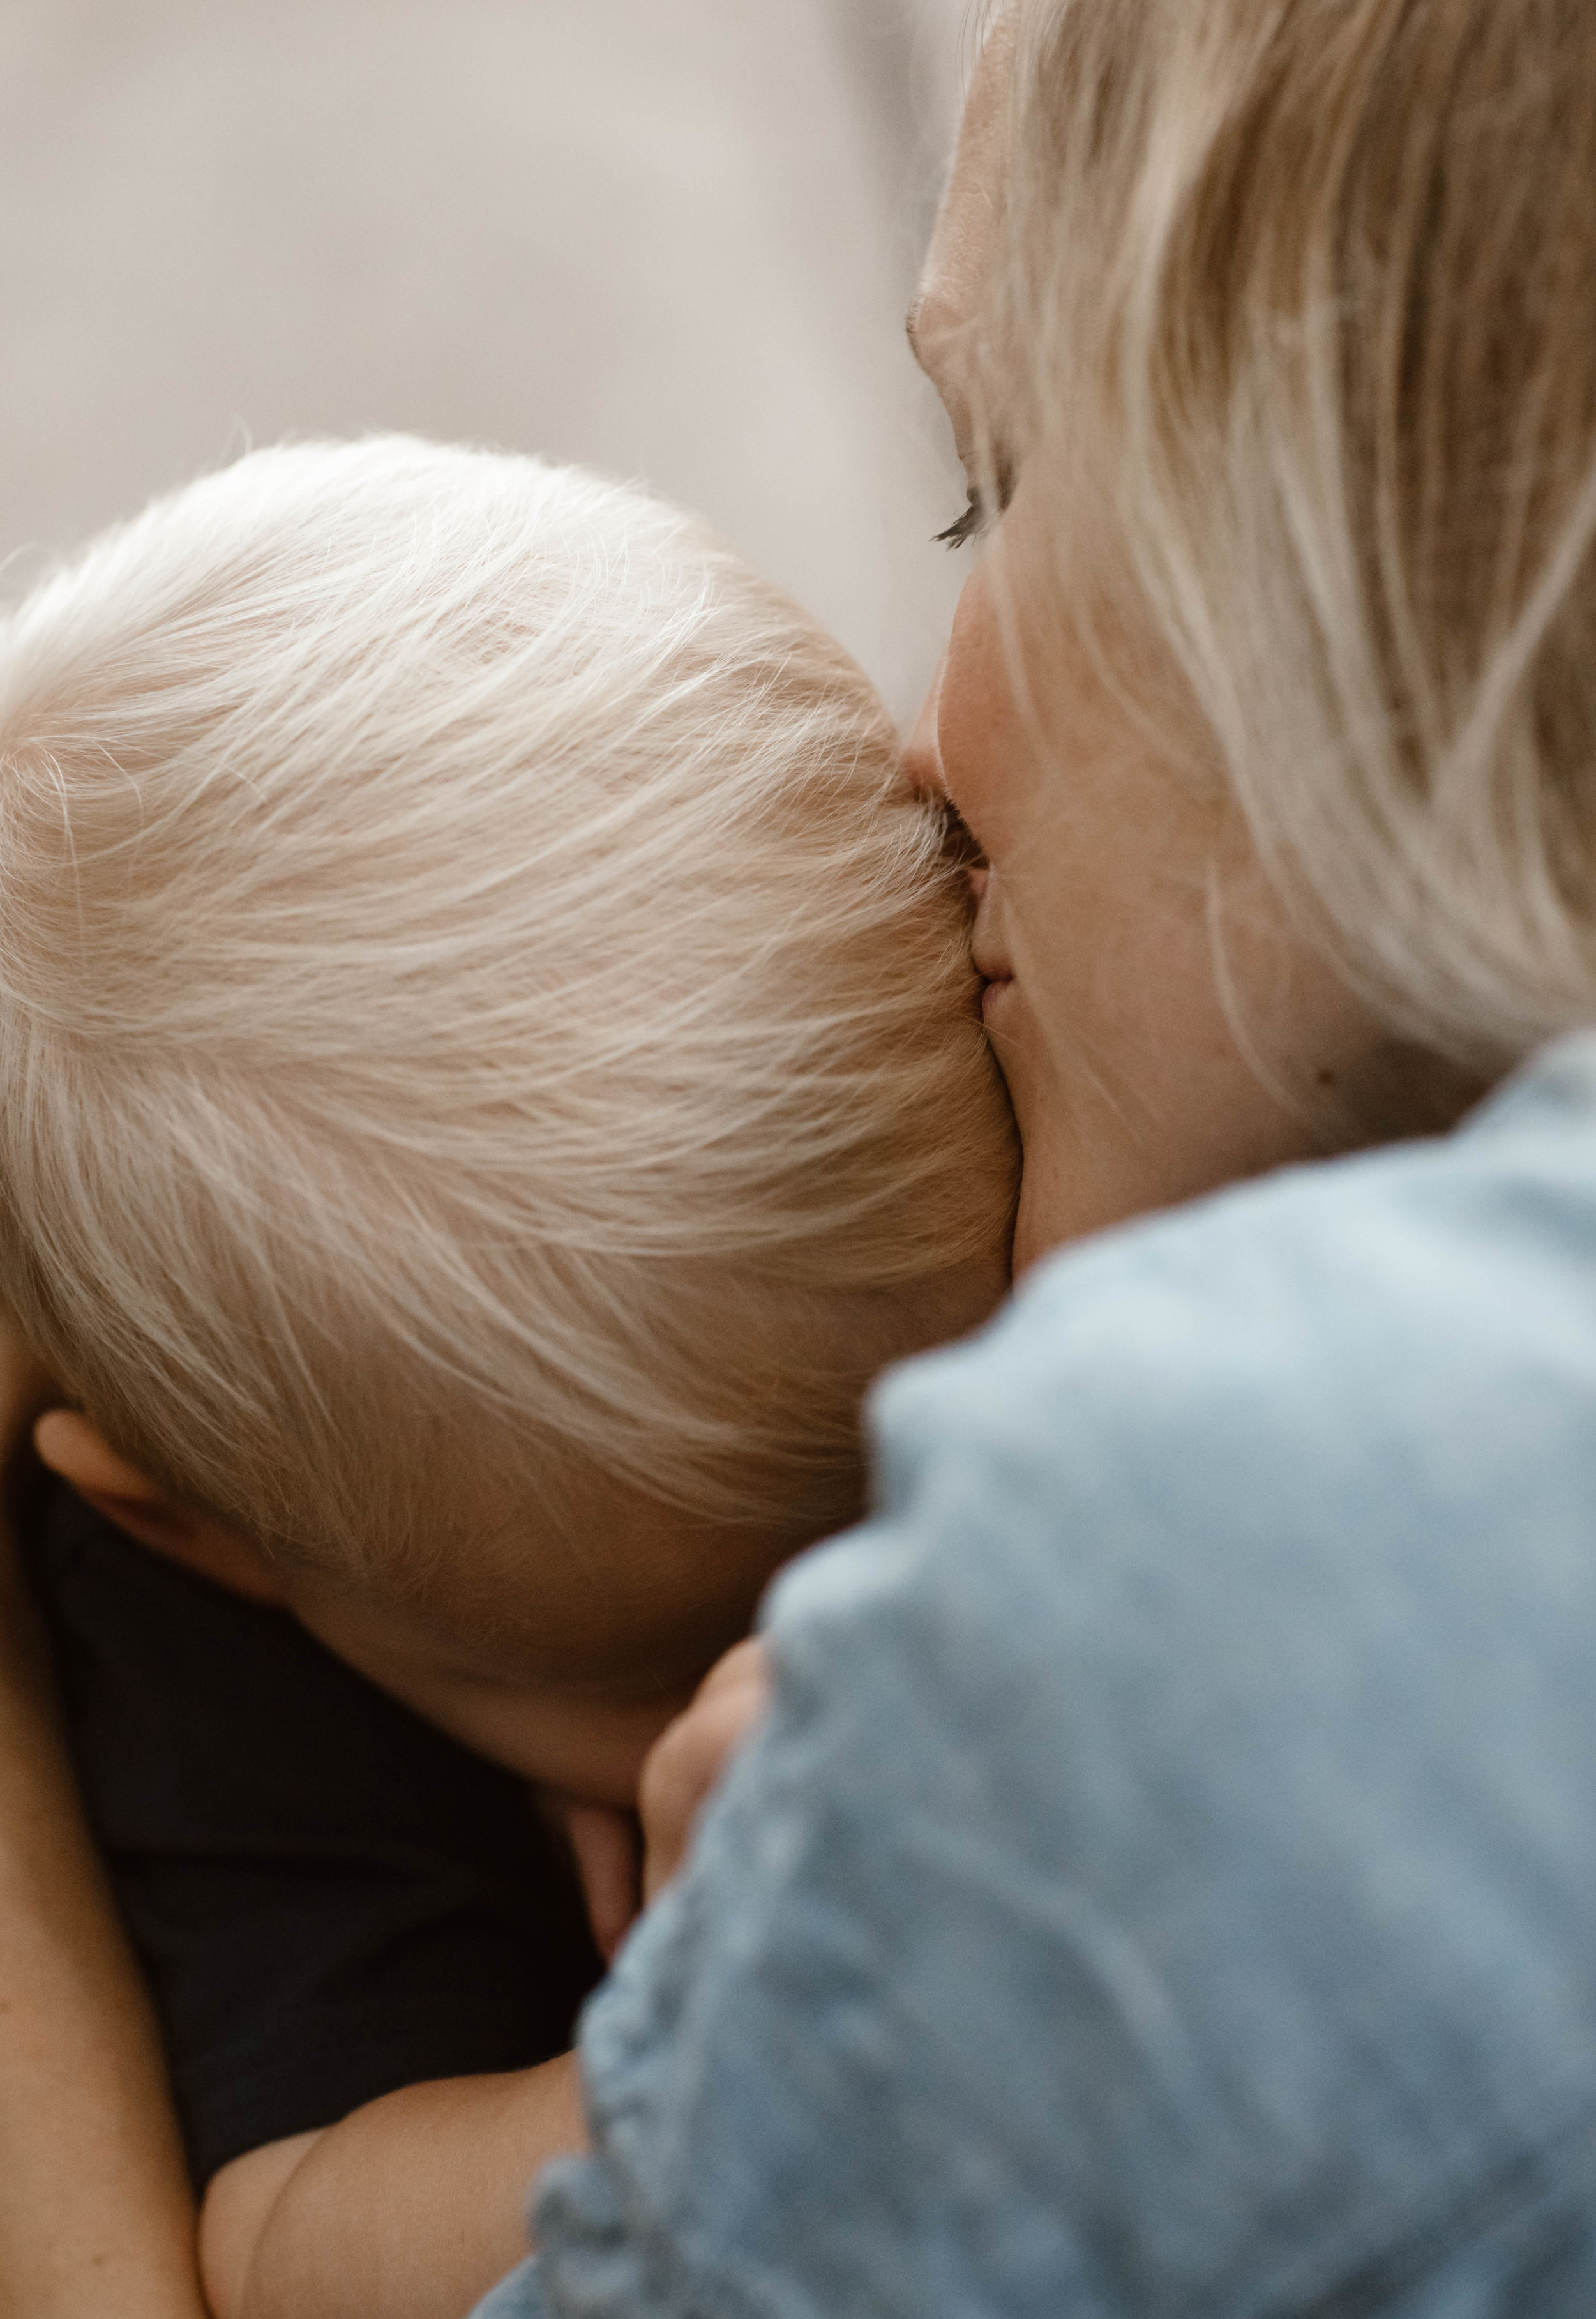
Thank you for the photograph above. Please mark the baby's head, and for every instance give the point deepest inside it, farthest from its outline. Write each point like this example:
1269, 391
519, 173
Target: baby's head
488, 1061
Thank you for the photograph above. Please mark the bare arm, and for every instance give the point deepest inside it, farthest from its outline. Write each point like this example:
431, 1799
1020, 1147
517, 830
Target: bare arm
414, 2205
686, 1762
96, 2213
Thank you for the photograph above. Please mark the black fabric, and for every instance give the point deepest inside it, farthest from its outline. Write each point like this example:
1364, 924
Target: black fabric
330, 1899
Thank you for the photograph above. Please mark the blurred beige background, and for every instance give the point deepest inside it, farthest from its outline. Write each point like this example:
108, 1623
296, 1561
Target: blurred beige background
673, 239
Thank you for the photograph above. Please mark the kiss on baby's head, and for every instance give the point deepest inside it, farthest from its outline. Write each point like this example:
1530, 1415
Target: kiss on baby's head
485, 1036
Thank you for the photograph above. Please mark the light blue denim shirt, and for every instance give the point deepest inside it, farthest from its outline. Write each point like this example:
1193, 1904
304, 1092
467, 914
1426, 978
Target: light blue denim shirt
1166, 1881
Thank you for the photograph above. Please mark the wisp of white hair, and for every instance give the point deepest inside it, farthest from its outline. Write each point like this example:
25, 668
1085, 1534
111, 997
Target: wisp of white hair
476, 1005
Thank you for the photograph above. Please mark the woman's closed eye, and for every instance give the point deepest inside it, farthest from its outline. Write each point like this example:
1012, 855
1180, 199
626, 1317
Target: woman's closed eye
968, 526
985, 503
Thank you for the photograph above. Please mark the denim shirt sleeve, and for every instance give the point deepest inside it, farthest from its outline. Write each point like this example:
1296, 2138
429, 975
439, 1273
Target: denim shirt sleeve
1165, 1881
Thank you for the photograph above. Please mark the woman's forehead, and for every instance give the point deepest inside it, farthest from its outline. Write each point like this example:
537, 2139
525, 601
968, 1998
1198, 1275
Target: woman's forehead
964, 239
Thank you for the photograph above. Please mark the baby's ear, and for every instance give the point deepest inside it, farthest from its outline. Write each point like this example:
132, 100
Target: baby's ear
71, 1447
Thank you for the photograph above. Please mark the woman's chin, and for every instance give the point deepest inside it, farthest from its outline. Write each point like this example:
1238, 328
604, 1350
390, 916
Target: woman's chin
1045, 1216
1032, 1240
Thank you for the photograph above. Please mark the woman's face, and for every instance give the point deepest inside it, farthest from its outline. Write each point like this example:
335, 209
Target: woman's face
1161, 1030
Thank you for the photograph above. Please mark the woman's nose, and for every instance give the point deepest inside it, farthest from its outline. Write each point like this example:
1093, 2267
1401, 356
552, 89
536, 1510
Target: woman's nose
923, 763
922, 757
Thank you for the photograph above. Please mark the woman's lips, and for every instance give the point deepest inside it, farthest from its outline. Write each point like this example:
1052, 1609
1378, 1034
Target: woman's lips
998, 976
994, 991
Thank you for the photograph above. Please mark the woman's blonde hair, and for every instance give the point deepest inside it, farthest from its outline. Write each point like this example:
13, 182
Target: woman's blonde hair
1296, 321
475, 1002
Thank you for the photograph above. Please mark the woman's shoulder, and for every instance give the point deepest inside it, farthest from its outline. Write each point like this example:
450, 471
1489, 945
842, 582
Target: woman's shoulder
1422, 1316
1202, 1730
1224, 1433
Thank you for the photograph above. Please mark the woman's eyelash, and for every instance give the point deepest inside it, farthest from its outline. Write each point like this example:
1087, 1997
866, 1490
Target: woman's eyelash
979, 513
969, 526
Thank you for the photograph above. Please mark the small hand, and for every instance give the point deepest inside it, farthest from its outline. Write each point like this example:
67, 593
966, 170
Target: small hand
685, 1764
608, 1852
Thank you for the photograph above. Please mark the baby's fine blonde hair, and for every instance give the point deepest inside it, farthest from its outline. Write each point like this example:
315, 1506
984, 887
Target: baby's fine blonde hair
476, 1007
1295, 320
